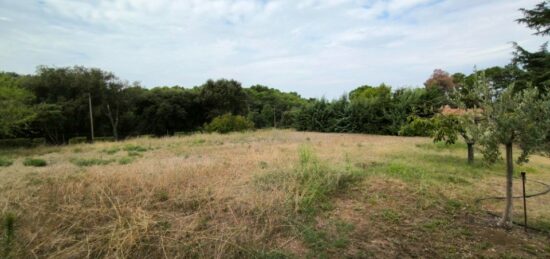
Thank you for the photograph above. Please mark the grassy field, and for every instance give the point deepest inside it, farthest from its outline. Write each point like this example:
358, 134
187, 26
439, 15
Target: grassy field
263, 194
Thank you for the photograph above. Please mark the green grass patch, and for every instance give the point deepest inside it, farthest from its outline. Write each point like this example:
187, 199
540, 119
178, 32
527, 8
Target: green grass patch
135, 154
435, 224
390, 216
126, 160
134, 148
330, 240
36, 162
91, 161
198, 141
311, 184
310, 187
5, 162
111, 150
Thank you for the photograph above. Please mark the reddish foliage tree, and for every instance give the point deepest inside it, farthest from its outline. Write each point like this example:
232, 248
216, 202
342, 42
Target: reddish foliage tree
440, 79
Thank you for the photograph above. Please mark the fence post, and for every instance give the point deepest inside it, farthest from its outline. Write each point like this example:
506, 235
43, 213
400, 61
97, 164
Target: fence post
524, 202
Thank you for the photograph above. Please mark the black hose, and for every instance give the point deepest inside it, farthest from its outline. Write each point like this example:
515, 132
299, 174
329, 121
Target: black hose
547, 190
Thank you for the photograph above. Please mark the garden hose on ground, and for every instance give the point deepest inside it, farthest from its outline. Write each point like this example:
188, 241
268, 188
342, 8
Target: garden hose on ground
547, 190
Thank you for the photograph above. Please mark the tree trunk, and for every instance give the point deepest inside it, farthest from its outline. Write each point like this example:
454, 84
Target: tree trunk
506, 220
114, 121
470, 153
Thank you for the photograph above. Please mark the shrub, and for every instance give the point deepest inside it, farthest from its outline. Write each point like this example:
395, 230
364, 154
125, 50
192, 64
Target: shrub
78, 140
228, 123
5, 162
417, 126
36, 162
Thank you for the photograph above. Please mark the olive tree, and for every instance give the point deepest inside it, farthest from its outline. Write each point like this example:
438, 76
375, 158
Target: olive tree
465, 120
513, 119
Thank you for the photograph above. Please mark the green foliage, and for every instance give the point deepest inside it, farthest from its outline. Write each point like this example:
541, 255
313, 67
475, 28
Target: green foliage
417, 126
4, 162
36, 162
221, 97
15, 106
446, 128
78, 140
536, 66
368, 92
270, 107
229, 123
91, 161
537, 18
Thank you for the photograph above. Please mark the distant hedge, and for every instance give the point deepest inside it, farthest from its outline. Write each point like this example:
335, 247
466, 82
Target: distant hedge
228, 123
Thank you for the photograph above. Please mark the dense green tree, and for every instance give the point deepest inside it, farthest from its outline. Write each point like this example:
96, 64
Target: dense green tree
15, 105
268, 107
536, 66
222, 96
165, 110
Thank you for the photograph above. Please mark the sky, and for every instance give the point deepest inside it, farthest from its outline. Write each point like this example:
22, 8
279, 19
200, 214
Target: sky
313, 47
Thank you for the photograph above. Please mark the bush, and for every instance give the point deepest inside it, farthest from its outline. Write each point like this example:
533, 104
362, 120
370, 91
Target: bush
78, 140
5, 162
417, 126
228, 123
36, 162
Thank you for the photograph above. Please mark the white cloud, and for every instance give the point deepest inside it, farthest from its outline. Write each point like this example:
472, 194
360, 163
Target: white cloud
313, 47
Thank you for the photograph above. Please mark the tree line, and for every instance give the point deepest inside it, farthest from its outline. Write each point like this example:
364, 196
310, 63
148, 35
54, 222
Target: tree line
54, 103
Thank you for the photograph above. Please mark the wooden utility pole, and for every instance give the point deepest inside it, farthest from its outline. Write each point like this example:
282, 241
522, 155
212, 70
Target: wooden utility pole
91, 116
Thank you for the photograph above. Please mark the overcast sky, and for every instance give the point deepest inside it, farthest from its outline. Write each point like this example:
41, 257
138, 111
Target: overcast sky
313, 47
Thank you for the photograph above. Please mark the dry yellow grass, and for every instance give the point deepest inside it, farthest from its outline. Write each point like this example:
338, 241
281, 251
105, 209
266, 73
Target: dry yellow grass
198, 196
